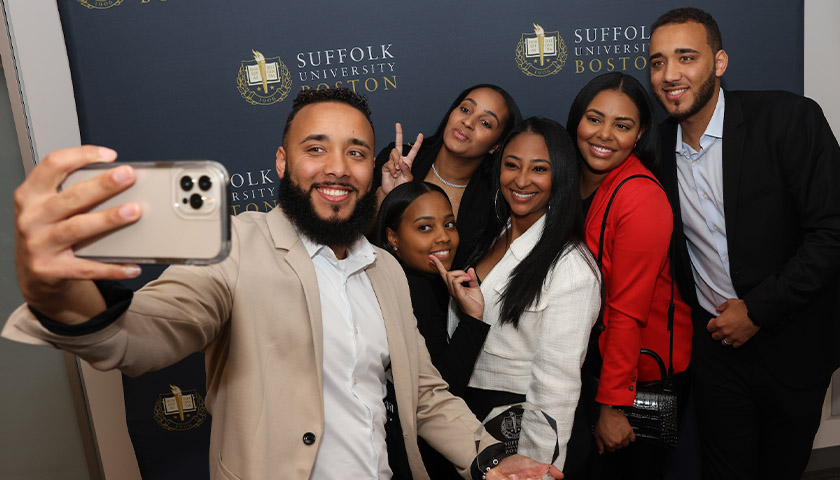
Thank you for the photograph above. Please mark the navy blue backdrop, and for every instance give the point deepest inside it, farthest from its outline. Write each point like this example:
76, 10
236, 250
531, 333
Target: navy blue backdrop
185, 79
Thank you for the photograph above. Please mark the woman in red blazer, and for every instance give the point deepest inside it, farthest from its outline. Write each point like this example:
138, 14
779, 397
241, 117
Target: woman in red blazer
612, 121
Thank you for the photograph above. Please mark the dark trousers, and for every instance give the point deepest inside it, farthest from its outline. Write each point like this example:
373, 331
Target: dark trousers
751, 425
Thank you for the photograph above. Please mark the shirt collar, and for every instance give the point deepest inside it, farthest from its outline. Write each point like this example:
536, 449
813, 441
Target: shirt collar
360, 254
714, 130
522, 246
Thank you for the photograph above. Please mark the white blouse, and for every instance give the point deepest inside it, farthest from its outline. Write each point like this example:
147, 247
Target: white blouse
542, 358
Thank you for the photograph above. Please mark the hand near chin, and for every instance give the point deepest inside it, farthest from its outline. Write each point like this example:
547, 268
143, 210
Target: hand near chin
469, 298
397, 170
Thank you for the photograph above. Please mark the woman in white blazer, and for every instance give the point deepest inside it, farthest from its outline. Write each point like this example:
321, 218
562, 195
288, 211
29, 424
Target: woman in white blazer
535, 282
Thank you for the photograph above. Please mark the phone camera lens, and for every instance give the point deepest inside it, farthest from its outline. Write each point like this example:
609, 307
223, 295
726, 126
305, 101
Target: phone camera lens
205, 183
196, 201
186, 182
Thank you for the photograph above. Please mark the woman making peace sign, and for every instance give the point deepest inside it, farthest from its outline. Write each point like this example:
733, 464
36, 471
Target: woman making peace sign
455, 158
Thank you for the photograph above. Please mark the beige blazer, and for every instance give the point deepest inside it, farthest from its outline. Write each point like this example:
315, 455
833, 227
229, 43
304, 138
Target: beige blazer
257, 317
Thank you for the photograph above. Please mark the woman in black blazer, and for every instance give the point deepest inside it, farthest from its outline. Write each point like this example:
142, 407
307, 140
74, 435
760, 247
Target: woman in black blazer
416, 221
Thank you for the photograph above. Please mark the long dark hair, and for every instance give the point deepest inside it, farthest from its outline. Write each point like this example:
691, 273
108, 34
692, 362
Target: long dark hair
394, 205
647, 148
563, 229
514, 117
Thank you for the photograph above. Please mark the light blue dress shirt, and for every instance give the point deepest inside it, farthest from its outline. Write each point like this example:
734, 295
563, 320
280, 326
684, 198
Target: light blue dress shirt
700, 177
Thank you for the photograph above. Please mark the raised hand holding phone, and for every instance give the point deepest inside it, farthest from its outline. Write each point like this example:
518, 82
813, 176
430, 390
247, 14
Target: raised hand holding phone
49, 222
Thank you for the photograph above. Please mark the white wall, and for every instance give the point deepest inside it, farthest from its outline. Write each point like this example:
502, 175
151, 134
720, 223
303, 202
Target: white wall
42, 438
822, 71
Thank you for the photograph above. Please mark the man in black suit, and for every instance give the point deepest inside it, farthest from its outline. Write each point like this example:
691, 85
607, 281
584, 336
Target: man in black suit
754, 180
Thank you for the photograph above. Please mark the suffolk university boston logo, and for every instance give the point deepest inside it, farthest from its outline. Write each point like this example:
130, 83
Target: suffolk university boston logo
541, 53
263, 81
177, 410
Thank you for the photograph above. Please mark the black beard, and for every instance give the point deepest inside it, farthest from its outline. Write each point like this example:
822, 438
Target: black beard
704, 95
297, 205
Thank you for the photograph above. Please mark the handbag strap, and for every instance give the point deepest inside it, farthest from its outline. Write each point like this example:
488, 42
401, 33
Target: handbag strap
599, 325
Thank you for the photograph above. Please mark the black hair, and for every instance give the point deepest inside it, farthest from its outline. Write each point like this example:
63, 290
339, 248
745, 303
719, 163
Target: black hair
690, 14
337, 94
647, 147
514, 117
563, 229
394, 205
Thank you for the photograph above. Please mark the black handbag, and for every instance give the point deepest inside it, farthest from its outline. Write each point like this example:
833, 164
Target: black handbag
654, 412
653, 415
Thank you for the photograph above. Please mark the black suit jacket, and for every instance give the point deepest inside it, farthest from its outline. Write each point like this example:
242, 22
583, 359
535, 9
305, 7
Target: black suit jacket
781, 195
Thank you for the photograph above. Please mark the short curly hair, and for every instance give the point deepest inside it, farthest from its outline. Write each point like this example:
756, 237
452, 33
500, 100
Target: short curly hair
690, 14
338, 94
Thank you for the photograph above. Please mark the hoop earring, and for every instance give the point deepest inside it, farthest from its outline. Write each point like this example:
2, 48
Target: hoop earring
496, 208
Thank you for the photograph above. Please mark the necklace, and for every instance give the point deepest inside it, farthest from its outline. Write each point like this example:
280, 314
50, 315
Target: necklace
448, 184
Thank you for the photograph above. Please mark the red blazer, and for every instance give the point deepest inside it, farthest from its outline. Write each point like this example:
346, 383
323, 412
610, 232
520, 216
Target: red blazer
638, 283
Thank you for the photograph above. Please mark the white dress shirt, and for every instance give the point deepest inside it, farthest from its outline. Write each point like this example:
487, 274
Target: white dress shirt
355, 357
700, 177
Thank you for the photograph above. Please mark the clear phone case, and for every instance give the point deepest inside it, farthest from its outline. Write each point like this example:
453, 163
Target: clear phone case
185, 215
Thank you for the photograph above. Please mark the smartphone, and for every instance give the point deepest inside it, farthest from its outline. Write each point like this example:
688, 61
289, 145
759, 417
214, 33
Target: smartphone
184, 214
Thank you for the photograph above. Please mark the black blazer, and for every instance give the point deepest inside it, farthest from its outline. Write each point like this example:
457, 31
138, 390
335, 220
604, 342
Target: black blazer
781, 193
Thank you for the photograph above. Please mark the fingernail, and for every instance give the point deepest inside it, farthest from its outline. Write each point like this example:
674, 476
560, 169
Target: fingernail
106, 154
131, 271
129, 210
121, 174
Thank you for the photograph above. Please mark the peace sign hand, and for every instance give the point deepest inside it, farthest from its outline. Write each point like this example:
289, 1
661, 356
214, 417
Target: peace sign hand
397, 170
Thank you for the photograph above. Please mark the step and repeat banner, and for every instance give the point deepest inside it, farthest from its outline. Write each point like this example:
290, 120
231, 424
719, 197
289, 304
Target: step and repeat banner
198, 79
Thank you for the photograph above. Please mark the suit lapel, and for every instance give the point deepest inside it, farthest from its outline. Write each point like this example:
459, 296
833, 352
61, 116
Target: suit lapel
389, 305
286, 238
734, 138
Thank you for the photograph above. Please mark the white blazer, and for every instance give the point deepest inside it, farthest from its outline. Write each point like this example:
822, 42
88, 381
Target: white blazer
542, 358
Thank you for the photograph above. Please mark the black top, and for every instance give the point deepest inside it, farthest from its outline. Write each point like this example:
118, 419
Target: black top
453, 357
587, 202
476, 204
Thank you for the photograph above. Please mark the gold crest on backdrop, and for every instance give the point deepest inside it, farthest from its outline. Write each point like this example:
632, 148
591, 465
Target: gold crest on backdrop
179, 410
99, 4
263, 81
541, 53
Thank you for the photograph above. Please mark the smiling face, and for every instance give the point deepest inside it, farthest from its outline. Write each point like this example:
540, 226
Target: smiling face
329, 155
684, 71
427, 227
474, 126
608, 131
526, 176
